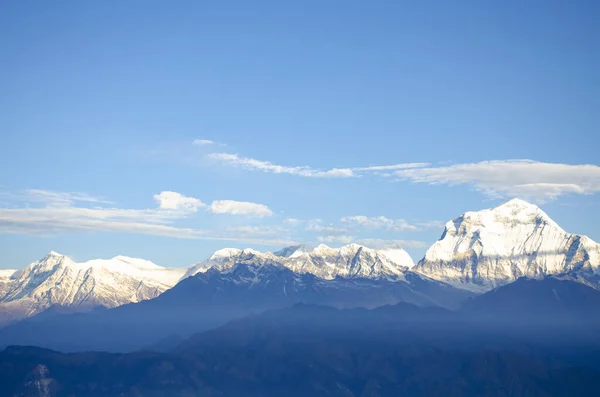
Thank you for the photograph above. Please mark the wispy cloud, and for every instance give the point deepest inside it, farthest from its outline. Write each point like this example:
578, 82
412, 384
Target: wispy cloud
527, 179
239, 208
304, 171
389, 244
292, 221
372, 242
431, 225
336, 239
59, 214
48, 222
351, 229
384, 223
330, 229
203, 142
53, 198
262, 231
379, 222
266, 166
392, 167
315, 225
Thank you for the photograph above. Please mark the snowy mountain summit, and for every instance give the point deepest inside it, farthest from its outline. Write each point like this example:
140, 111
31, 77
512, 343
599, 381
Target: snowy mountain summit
484, 249
58, 280
350, 261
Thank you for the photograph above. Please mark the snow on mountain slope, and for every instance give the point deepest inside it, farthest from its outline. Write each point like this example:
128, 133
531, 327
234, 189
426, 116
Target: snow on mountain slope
294, 250
398, 255
350, 261
484, 249
6, 280
58, 280
226, 258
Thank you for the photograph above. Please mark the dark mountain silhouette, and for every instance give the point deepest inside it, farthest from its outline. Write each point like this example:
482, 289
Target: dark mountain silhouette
209, 299
551, 301
311, 350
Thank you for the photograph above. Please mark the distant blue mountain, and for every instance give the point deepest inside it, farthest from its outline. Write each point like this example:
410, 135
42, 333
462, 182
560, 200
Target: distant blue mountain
209, 299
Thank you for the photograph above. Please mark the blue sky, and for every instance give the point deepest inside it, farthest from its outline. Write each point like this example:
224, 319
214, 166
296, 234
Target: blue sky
107, 104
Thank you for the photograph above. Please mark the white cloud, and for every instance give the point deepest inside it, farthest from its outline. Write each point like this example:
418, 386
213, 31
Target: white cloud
266, 166
272, 231
527, 179
391, 167
203, 142
305, 171
176, 201
262, 241
513, 178
239, 208
47, 222
52, 198
302, 222
318, 226
334, 173
336, 239
431, 225
328, 229
380, 222
376, 243
60, 215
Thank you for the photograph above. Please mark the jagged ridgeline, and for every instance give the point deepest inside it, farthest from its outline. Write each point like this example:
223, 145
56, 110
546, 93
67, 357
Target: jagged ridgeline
477, 252
482, 250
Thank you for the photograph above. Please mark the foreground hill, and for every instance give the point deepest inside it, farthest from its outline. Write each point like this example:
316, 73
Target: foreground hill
312, 350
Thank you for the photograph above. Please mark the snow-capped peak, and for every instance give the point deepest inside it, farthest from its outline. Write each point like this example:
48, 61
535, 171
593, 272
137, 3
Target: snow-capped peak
294, 251
6, 273
322, 248
484, 249
521, 210
136, 262
57, 279
398, 255
517, 203
351, 247
323, 261
250, 251
225, 253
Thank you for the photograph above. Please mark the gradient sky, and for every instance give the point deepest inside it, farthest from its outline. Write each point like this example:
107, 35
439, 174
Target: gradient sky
261, 122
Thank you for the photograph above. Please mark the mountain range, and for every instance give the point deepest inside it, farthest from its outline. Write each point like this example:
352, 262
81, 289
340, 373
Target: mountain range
505, 303
350, 261
209, 299
477, 252
58, 280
